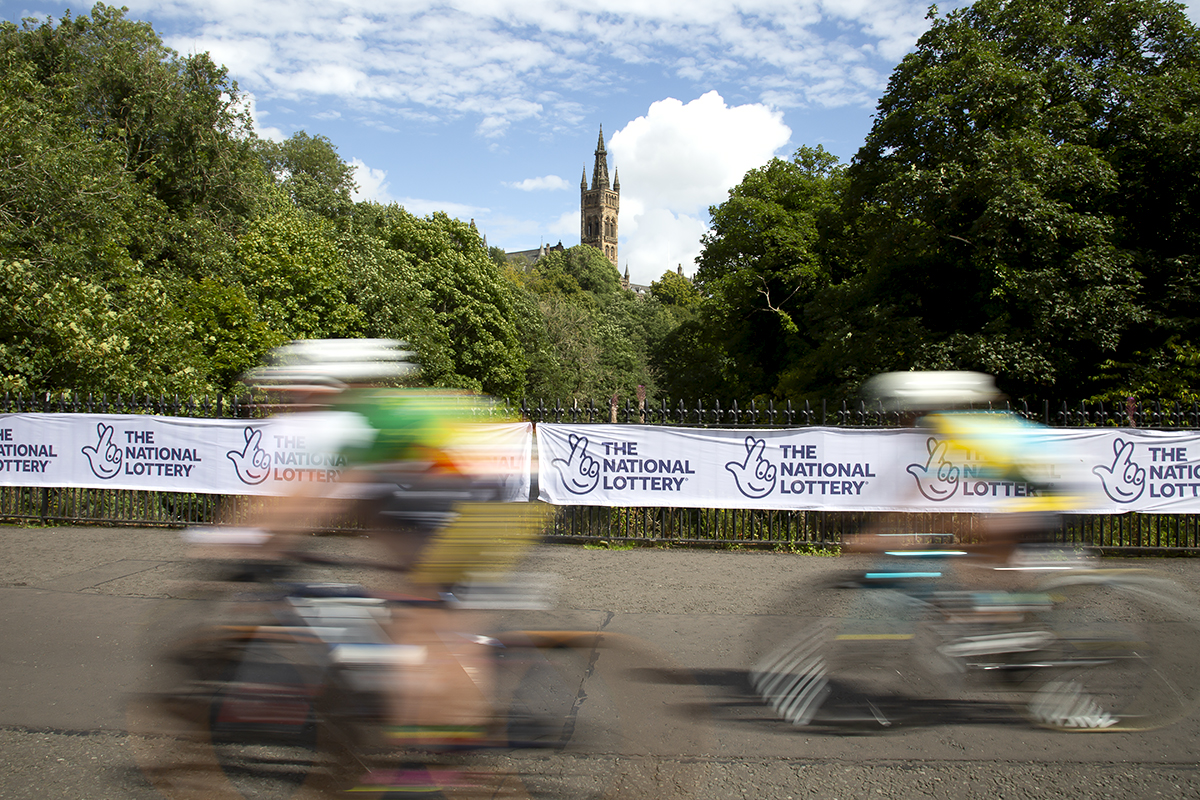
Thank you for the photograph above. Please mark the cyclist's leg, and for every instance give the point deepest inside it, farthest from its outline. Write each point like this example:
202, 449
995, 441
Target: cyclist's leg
440, 697
595, 715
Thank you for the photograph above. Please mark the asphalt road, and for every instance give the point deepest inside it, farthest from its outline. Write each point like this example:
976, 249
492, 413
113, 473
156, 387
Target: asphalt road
74, 603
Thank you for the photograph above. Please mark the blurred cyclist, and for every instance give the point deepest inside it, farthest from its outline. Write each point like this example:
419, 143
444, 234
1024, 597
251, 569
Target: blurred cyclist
956, 406
407, 475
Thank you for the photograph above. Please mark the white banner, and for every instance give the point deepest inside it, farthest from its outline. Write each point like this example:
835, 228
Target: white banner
842, 469
833, 469
274, 456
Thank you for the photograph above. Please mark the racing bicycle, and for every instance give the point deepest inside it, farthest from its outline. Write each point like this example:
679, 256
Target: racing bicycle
267, 685
932, 631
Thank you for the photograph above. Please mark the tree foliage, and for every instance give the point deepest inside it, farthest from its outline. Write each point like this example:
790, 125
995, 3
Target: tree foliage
309, 169
1021, 206
591, 338
1017, 206
763, 261
125, 178
150, 242
431, 282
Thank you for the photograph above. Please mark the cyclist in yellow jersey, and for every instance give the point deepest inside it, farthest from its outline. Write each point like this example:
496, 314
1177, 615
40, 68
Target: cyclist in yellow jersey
1008, 447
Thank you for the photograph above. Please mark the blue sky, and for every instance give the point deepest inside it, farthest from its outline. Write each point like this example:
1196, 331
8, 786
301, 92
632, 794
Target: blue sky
490, 109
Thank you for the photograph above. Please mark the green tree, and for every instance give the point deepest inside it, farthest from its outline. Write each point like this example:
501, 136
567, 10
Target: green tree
549, 276
590, 267
674, 290
126, 176
631, 329
1020, 203
290, 266
590, 338
228, 329
567, 365
454, 304
764, 260
68, 332
312, 173
64, 198
177, 124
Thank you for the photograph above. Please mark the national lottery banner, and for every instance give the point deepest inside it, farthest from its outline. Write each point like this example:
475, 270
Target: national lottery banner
833, 469
276, 456
838, 469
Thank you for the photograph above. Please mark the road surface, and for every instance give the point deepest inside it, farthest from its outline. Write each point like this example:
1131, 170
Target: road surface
73, 603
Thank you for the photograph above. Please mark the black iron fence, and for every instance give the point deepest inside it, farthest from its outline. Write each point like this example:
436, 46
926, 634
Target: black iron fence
786, 530
1134, 413
846, 414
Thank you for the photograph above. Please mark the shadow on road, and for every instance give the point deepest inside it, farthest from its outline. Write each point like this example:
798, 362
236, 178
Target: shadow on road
847, 712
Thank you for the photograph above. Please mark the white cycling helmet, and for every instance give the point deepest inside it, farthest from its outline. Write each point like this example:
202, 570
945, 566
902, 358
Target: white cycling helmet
929, 391
332, 364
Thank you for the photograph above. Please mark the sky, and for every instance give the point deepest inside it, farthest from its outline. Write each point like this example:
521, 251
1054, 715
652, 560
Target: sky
490, 110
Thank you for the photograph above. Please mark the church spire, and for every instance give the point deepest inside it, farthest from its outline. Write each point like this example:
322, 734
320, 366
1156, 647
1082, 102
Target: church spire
600, 170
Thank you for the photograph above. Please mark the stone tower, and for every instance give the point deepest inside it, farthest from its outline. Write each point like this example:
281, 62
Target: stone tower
599, 206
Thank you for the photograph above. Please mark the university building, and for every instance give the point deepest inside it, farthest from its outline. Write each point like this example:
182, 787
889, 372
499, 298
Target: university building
599, 207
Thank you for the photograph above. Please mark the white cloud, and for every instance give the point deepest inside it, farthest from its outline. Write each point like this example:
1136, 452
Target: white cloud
546, 182
674, 163
373, 186
247, 102
372, 183
663, 240
566, 226
424, 208
486, 58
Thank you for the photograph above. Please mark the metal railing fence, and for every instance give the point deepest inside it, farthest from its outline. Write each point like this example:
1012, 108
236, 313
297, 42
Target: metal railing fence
784, 530
812, 531
1156, 414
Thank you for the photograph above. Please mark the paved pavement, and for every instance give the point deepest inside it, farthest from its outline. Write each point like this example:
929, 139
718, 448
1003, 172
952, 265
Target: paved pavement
74, 603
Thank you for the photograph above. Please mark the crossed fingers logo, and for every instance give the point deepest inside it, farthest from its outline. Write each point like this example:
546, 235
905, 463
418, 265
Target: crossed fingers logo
1123, 480
579, 471
755, 474
937, 478
252, 463
104, 457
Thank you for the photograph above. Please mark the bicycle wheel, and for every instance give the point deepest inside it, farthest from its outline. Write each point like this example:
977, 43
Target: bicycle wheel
577, 723
230, 713
875, 666
1123, 655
